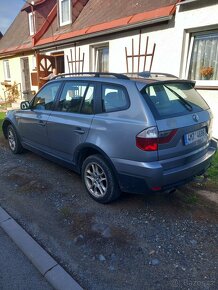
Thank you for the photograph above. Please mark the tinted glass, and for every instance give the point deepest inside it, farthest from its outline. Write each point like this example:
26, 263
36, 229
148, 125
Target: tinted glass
173, 99
73, 95
114, 98
45, 98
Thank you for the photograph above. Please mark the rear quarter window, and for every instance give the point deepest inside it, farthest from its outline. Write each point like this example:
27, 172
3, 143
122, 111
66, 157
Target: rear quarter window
173, 99
114, 98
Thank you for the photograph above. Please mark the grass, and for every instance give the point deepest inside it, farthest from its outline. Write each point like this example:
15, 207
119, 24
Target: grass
212, 174
2, 115
191, 199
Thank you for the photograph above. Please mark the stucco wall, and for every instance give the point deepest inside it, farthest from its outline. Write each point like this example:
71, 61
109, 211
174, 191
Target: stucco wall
211, 97
15, 71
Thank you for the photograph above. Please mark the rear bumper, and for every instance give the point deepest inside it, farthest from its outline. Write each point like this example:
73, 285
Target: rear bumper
141, 177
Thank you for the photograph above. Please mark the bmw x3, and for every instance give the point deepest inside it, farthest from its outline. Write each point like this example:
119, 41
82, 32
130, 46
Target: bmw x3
139, 133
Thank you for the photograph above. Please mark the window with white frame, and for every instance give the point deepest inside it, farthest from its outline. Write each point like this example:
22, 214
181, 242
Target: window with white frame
65, 12
7, 73
204, 56
32, 23
33, 62
101, 58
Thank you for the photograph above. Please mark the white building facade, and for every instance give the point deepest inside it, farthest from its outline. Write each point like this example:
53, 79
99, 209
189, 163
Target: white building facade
185, 45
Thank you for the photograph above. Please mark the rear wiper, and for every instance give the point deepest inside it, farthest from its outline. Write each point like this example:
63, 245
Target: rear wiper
183, 101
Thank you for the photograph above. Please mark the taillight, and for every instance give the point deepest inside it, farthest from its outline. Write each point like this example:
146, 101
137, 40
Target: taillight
148, 139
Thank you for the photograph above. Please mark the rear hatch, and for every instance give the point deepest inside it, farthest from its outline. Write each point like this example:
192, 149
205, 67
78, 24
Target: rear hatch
183, 121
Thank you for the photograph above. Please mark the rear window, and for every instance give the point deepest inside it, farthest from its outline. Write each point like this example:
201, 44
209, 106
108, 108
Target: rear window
173, 99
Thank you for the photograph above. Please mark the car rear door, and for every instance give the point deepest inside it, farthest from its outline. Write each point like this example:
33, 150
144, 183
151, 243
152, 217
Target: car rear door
68, 125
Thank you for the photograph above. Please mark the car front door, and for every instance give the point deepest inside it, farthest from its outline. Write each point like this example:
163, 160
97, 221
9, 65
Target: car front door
68, 125
33, 122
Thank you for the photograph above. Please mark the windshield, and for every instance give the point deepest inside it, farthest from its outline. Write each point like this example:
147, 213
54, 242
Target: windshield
173, 99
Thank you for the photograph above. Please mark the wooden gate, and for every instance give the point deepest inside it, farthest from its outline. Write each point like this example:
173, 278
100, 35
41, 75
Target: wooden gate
45, 64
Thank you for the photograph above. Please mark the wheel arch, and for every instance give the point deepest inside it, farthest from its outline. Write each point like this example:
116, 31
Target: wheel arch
87, 150
5, 125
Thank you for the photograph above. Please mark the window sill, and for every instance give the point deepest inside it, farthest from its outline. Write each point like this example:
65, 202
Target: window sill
65, 23
6, 83
208, 88
206, 85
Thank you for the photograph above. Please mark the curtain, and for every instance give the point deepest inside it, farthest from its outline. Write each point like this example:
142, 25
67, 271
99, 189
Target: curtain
65, 11
204, 58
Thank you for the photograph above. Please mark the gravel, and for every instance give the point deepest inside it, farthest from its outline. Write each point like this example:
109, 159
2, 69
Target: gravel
139, 242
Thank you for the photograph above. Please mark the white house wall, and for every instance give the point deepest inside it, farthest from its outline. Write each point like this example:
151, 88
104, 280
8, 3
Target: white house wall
187, 22
15, 71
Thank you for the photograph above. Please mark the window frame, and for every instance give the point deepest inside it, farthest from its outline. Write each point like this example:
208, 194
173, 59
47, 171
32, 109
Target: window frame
61, 89
62, 23
191, 37
32, 22
7, 71
95, 59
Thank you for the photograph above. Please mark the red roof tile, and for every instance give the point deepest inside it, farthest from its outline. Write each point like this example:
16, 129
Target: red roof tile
125, 21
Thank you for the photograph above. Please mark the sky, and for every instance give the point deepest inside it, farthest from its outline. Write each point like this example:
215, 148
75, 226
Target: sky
8, 11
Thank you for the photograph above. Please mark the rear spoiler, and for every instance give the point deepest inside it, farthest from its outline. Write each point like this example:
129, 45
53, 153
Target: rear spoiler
141, 85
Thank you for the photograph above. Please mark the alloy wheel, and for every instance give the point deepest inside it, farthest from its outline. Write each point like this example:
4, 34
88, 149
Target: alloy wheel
11, 140
96, 180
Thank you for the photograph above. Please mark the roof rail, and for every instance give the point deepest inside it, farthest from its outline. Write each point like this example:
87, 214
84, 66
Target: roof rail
95, 74
149, 74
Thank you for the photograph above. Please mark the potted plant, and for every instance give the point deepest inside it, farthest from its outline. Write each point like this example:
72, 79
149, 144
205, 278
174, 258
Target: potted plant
206, 72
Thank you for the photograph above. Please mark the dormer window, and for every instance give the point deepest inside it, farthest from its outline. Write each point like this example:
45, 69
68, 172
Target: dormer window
32, 24
65, 12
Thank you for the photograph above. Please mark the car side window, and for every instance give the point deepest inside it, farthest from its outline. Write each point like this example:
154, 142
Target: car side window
76, 97
114, 98
45, 98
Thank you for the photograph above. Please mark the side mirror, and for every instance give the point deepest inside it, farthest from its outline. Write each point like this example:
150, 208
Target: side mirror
25, 105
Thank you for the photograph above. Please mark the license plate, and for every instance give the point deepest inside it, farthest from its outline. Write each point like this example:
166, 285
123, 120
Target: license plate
198, 136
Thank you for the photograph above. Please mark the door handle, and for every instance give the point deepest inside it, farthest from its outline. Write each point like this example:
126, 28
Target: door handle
79, 131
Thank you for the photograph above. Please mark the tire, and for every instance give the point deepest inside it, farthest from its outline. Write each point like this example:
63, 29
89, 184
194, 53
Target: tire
13, 140
99, 179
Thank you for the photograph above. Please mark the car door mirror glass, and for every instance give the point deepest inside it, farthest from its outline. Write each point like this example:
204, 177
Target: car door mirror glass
25, 105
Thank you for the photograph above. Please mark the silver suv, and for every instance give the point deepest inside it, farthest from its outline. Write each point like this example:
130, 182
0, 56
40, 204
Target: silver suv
147, 132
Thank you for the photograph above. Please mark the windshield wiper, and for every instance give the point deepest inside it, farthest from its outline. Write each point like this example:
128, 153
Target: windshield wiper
186, 104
